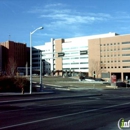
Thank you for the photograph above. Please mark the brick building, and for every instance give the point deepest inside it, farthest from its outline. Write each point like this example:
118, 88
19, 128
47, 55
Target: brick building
14, 51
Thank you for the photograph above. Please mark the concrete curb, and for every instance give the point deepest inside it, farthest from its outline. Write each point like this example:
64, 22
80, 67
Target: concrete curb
25, 94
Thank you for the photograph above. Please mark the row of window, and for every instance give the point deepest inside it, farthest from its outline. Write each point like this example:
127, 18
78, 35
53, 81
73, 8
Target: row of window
108, 44
75, 68
115, 61
69, 48
110, 61
115, 67
75, 63
111, 49
75, 58
115, 55
110, 67
110, 55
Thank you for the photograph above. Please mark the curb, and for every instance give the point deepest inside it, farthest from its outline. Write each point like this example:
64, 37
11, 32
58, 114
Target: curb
25, 94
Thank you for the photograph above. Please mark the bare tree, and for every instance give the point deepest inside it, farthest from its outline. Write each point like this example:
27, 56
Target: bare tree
95, 66
91, 67
11, 67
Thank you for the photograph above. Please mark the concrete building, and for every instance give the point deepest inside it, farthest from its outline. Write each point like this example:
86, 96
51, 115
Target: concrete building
113, 54
73, 60
47, 57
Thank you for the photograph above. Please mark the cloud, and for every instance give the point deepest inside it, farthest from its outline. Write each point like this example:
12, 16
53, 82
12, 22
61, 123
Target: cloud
59, 13
59, 17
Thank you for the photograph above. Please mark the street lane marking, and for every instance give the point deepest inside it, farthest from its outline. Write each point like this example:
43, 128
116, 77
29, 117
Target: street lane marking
67, 115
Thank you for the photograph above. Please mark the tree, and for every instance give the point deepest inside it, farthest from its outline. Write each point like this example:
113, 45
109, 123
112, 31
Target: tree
11, 67
95, 66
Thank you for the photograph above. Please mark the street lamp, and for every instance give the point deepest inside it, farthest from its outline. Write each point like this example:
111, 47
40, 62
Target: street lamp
31, 56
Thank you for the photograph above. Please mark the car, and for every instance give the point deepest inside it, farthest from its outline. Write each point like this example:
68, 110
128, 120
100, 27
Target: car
121, 84
99, 79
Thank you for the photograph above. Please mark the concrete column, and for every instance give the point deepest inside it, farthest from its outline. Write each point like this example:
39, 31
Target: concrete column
122, 76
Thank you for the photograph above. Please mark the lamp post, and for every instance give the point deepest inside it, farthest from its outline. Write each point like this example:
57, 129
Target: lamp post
31, 56
41, 70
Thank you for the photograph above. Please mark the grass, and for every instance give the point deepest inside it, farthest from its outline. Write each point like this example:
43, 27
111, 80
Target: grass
68, 82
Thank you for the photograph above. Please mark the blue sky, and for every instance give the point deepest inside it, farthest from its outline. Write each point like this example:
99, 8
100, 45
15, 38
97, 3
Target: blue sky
61, 19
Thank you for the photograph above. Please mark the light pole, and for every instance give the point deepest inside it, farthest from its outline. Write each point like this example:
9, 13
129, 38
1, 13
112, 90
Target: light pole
41, 70
31, 56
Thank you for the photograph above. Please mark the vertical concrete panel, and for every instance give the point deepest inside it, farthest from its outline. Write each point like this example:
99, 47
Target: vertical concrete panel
58, 48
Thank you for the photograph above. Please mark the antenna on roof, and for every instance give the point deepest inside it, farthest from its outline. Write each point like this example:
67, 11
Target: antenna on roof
9, 37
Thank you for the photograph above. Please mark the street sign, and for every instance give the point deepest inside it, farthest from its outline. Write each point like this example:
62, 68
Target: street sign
61, 54
83, 52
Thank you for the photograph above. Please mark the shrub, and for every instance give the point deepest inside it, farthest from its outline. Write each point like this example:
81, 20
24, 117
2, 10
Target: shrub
13, 84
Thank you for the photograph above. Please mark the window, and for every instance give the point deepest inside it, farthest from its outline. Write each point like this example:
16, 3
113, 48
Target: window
74, 63
125, 54
75, 58
83, 57
125, 60
66, 63
83, 62
126, 42
126, 66
83, 68
74, 52
126, 48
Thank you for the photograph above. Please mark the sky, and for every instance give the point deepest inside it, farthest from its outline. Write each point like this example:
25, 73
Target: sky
61, 19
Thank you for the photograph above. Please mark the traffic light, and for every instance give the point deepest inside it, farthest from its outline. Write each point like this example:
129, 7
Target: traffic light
83, 52
61, 54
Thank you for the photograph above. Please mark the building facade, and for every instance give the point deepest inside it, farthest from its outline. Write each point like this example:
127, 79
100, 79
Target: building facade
13, 52
46, 52
106, 54
113, 53
72, 61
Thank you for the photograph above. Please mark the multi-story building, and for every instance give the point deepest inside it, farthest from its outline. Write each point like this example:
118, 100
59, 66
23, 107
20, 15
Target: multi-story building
113, 53
72, 60
15, 52
46, 52
107, 54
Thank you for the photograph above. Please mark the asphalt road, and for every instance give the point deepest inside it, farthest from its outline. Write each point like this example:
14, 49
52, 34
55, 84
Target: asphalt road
101, 111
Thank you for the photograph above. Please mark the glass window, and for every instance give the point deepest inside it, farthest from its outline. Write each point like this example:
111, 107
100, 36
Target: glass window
126, 42
126, 66
83, 62
125, 60
74, 63
126, 48
125, 54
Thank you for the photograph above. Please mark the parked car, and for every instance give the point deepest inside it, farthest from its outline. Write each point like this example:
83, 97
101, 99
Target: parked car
121, 84
99, 79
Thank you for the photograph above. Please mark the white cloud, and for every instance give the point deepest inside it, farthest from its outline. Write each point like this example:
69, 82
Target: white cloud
58, 16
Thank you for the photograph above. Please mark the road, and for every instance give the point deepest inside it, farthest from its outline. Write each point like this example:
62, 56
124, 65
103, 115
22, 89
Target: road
99, 112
